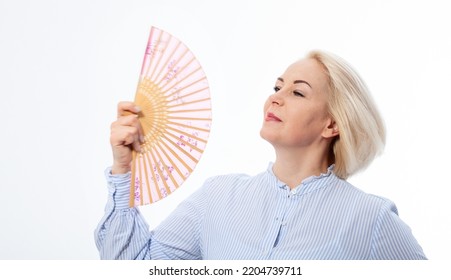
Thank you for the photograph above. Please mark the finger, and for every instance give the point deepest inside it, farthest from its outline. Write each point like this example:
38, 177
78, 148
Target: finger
127, 107
128, 120
140, 133
125, 136
132, 120
136, 145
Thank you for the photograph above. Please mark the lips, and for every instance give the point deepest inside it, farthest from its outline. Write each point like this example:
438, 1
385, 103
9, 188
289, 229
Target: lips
271, 117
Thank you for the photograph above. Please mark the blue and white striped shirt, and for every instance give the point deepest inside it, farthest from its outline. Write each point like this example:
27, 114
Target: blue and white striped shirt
258, 217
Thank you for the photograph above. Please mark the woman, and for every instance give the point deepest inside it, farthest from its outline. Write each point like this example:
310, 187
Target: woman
324, 127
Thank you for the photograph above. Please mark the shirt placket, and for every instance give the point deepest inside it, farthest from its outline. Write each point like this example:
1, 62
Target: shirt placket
279, 221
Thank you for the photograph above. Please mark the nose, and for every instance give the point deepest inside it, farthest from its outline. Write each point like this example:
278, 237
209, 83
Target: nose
276, 98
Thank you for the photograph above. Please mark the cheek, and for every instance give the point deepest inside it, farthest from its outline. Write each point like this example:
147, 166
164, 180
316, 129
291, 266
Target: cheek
309, 118
266, 105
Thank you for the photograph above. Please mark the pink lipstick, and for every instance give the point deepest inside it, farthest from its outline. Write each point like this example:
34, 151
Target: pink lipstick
271, 117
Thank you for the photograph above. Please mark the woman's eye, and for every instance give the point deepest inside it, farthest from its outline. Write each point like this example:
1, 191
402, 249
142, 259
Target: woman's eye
276, 88
298, 93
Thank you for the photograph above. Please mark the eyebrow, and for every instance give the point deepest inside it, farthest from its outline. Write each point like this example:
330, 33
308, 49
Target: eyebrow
297, 82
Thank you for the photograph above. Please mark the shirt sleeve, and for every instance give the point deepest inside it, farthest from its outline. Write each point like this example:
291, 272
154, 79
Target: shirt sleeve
392, 238
124, 234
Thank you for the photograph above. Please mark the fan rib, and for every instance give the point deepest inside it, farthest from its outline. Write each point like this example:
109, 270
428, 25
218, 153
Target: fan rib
133, 182
171, 86
187, 86
154, 55
167, 170
141, 197
189, 126
189, 119
153, 175
189, 102
168, 70
170, 79
188, 111
186, 142
164, 66
147, 56
147, 90
154, 68
172, 162
147, 176
157, 167
201, 75
175, 144
183, 133
177, 156
164, 107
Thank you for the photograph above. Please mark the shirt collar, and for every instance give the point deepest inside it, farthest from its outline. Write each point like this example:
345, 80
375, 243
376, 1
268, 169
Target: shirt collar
308, 184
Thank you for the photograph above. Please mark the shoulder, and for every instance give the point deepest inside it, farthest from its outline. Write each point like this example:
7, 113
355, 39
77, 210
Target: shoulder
359, 200
214, 190
227, 179
235, 180
235, 185
377, 216
360, 193
222, 187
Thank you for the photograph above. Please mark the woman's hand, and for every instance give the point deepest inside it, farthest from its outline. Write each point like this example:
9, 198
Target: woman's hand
126, 134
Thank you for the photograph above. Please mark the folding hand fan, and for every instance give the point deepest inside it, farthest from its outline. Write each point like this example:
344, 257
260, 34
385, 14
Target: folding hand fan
174, 97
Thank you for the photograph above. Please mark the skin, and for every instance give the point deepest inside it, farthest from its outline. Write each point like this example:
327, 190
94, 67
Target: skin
126, 134
296, 122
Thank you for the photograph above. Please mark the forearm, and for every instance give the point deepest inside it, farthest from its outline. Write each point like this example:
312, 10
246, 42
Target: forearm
122, 233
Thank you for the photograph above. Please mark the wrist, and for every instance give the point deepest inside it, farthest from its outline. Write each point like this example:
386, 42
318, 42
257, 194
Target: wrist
120, 169
118, 189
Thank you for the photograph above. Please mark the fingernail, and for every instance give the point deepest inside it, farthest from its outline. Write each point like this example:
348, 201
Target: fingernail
137, 109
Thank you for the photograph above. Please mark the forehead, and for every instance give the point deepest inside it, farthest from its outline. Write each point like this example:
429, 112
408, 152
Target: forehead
307, 69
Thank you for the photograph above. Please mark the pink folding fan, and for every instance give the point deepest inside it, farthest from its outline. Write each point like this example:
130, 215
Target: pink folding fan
174, 97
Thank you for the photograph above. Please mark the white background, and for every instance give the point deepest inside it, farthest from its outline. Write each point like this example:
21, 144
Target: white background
64, 65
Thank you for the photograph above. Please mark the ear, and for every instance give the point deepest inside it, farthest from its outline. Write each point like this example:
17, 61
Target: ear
331, 130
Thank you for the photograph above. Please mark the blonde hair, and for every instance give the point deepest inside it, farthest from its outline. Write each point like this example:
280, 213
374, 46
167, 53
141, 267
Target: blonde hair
361, 129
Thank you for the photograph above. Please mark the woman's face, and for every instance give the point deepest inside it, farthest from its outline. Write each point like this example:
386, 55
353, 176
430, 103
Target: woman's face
296, 114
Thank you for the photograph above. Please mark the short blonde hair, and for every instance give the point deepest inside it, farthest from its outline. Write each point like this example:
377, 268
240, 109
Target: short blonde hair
361, 129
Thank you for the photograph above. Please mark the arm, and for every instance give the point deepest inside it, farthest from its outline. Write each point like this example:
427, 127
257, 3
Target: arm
122, 233
392, 238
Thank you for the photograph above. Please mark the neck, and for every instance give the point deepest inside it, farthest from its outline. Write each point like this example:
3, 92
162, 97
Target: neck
293, 166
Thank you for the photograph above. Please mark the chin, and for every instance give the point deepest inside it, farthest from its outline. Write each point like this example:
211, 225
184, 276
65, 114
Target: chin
267, 135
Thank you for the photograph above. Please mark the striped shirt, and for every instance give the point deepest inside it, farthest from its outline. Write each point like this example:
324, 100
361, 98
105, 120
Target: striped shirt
258, 217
